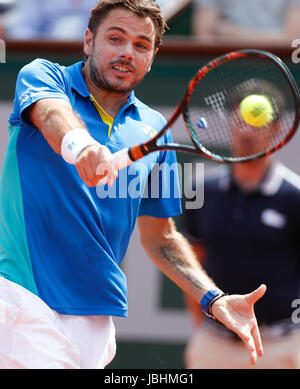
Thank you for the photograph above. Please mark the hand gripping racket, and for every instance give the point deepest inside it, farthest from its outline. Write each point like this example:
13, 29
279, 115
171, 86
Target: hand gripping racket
212, 116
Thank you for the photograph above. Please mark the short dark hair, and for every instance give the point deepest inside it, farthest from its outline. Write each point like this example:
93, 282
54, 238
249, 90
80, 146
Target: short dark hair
141, 8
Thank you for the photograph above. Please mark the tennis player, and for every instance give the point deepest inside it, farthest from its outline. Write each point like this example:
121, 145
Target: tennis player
60, 244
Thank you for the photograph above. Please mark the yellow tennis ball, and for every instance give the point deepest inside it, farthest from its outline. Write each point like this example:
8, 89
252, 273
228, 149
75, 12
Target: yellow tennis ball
256, 110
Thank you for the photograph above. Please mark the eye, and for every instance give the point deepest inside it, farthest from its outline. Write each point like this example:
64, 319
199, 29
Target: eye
114, 39
142, 46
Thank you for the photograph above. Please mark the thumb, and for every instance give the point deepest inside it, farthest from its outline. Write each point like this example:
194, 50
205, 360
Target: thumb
258, 293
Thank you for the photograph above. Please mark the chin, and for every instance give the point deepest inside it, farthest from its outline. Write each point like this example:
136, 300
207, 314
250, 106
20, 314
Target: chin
122, 87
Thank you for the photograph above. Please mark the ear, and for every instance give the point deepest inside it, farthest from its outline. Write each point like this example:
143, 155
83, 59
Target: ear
155, 52
88, 42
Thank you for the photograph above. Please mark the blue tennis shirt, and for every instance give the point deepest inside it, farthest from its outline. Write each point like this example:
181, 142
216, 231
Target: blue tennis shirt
59, 238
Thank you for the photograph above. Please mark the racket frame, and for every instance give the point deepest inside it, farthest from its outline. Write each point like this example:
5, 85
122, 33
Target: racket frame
139, 151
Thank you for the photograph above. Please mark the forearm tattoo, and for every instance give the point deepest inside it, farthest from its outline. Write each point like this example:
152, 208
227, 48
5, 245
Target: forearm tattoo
171, 256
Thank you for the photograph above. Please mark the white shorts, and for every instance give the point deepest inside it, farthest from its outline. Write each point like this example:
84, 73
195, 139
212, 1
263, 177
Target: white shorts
33, 336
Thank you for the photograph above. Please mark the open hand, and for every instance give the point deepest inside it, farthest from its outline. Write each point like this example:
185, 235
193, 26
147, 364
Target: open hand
236, 312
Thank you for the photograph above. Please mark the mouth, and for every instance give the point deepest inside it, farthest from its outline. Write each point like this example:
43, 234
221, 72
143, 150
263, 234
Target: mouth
122, 69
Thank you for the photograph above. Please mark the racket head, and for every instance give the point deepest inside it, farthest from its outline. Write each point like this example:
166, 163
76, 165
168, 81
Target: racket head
212, 101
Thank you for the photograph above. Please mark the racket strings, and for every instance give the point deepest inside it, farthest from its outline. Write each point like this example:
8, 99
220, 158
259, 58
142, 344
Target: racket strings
214, 108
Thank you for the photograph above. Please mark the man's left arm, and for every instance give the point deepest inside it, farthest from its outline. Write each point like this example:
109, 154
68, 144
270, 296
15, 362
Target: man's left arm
173, 255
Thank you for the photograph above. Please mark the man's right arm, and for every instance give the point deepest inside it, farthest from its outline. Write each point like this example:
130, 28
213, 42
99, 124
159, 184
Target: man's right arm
192, 306
55, 118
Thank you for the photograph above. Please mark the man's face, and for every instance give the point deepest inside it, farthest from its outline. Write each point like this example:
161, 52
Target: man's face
121, 53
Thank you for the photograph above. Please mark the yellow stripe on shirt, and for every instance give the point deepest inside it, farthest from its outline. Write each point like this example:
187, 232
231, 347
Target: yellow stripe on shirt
106, 118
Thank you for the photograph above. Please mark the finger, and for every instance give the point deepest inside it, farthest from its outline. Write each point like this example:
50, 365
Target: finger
82, 174
249, 343
103, 181
257, 340
256, 294
250, 346
102, 169
112, 177
251, 350
89, 172
109, 178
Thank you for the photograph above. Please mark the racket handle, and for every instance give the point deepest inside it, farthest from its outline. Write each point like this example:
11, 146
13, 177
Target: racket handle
121, 159
118, 160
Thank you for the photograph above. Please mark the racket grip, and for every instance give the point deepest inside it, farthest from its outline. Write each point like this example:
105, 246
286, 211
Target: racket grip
118, 161
121, 159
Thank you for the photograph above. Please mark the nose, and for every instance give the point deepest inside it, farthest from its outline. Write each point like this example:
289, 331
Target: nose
126, 52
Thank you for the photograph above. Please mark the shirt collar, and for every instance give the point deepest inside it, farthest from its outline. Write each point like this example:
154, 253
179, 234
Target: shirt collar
79, 85
77, 80
271, 184
268, 187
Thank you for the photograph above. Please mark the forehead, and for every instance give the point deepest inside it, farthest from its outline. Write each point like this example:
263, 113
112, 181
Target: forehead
129, 22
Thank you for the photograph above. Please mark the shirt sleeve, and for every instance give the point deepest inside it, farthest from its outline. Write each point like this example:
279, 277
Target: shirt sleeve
38, 80
162, 197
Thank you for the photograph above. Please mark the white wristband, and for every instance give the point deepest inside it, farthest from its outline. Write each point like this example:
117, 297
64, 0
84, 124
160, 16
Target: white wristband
74, 142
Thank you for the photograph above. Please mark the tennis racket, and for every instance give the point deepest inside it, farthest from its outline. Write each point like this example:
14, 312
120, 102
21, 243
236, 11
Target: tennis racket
210, 109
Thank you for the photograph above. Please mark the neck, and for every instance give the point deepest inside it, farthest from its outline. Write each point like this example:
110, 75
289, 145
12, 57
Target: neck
109, 101
249, 175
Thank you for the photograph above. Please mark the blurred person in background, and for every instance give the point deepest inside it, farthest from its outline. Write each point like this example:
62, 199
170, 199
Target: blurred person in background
5, 5
49, 19
1, 28
247, 232
268, 22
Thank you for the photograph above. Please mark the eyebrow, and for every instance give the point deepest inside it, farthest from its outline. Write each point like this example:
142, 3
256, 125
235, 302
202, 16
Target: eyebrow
142, 36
